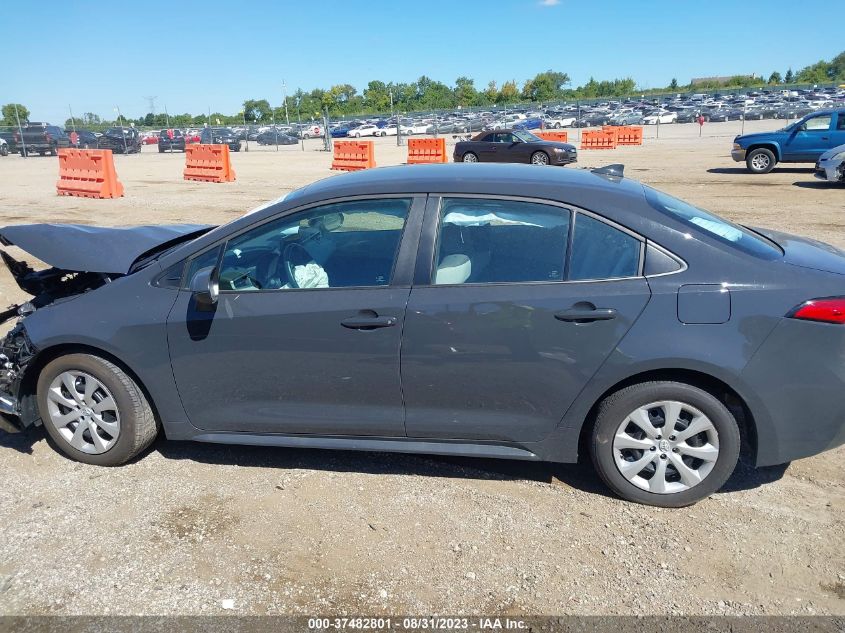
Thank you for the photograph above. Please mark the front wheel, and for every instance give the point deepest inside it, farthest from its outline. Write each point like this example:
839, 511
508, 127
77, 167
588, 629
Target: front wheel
469, 157
760, 161
666, 444
93, 411
539, 158
4, 150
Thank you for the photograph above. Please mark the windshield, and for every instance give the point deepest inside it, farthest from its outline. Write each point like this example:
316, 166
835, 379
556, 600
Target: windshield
734, 234
526, 137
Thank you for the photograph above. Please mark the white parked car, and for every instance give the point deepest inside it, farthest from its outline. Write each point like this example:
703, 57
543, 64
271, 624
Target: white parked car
4, 147
312, 131
390, 130
660, 117
558, 122
417, 128
365, 130
831, 165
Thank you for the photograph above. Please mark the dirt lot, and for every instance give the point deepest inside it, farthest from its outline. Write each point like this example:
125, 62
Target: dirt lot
188, 528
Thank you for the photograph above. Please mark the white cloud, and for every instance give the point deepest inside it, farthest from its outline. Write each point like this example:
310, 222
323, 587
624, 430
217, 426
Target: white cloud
549, 3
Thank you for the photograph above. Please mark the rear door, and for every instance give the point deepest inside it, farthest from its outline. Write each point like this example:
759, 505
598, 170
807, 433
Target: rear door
516, 303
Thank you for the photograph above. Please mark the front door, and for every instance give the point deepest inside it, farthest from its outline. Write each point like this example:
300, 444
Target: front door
512, 325
305, 335
809, 140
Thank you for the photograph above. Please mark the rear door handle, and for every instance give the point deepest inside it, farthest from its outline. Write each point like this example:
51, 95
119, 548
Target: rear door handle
586, 316
364, 322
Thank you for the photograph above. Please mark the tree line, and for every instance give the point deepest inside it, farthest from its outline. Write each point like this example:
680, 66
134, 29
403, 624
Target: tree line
427, 94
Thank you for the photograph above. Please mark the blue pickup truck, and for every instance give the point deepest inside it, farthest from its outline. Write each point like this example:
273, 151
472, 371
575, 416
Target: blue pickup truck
801, 142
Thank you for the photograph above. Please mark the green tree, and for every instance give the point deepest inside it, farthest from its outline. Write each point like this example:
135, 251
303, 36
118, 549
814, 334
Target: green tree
465, 92
775, 78
674, 84
789, 77
257, 110
491, 92
377, 96
508, 93
8, 112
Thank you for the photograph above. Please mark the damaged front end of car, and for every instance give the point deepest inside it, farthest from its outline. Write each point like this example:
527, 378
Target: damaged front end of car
16, 350
80, 259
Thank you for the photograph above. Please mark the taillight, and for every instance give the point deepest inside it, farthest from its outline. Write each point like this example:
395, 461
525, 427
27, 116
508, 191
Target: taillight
827, 310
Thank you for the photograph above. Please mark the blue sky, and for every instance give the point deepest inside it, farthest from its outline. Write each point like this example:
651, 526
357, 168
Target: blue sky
92, 55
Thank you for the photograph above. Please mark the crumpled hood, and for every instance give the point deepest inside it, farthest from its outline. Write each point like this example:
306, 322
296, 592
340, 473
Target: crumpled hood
94, 249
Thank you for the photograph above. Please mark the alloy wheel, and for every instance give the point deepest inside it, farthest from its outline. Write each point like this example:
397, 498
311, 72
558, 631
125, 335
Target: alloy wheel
666, 447
84, 412
760, 161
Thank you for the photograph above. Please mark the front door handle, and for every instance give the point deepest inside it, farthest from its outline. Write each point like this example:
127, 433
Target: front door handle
576, 315
368, 322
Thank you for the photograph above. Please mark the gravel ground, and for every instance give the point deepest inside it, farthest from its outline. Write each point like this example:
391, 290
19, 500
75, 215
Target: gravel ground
201, 529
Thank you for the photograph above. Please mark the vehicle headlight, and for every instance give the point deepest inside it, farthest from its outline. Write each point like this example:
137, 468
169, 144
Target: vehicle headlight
560, 150
737, 146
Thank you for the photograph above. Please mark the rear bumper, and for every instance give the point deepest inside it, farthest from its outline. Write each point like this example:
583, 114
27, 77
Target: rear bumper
798, 377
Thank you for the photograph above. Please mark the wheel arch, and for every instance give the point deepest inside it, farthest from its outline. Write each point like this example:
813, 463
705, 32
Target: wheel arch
27, 395
773, 147
717, 387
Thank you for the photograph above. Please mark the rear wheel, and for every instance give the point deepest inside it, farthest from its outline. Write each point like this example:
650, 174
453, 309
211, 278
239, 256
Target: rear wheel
664, 443
93, 411
539, 158
469, 157
760, 160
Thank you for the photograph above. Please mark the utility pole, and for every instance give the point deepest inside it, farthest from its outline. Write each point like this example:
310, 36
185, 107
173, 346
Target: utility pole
20, 131
72, 120
151, 104
285, 95
122, 131
299, 121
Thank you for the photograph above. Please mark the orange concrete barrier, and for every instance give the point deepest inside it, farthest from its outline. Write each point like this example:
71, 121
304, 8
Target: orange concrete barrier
353, 155
598, 139
88, 173
548, 135
208, 163
628, 135
427, 150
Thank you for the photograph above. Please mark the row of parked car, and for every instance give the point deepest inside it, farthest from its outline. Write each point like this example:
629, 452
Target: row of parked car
681, 108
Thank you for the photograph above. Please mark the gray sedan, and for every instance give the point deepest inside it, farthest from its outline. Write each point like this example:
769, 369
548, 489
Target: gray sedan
493, 310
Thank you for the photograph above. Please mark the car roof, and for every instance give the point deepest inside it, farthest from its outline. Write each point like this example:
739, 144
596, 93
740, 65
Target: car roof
576, 186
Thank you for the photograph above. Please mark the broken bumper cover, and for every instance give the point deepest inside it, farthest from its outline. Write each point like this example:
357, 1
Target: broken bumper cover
16, 351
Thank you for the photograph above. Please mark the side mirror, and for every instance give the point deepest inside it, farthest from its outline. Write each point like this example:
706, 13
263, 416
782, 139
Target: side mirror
205, 288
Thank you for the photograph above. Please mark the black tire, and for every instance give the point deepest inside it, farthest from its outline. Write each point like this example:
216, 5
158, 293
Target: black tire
54, 151
4, 150
161, 150
24, 152
616, 407
760, 160
138, 426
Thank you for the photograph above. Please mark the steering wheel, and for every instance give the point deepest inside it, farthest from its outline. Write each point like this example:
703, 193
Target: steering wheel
288, 265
